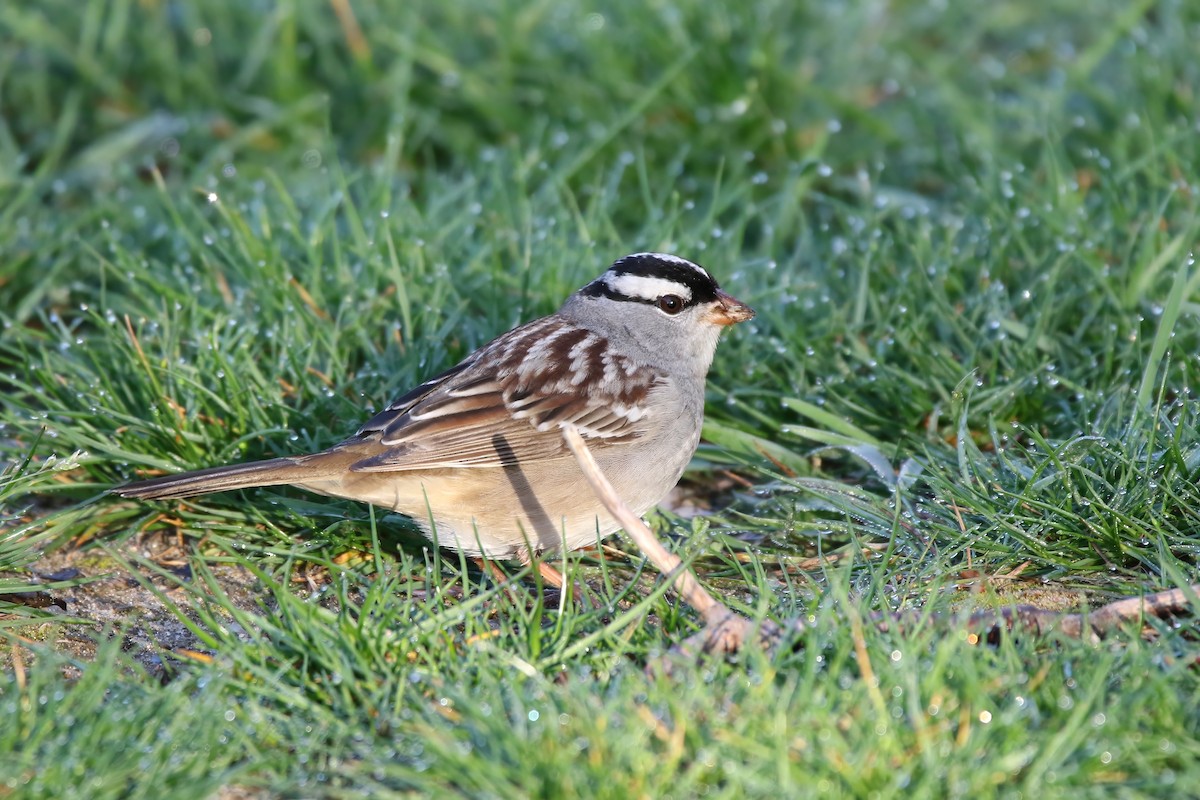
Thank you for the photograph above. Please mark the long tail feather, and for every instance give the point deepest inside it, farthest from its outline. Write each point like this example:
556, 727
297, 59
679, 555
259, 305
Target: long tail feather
273, 472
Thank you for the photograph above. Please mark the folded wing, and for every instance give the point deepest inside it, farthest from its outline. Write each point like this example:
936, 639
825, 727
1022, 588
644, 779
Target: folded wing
507, 403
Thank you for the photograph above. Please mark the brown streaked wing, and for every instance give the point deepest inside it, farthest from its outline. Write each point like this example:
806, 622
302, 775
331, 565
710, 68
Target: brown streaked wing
506, 407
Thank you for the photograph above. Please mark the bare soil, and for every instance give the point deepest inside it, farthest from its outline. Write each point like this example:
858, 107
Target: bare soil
118, 602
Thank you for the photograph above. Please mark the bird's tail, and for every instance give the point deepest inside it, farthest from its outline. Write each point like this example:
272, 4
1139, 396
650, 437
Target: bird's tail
273, 472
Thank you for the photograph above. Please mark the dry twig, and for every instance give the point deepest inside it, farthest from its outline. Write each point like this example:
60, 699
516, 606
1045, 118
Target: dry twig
727, 632
1094, 625
724, 631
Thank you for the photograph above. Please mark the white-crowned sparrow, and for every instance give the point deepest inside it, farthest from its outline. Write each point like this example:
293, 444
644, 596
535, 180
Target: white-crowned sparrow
476, 455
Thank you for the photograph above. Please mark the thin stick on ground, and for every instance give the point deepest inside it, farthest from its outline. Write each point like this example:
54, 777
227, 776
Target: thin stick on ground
724, 631
1095, 624
986, 627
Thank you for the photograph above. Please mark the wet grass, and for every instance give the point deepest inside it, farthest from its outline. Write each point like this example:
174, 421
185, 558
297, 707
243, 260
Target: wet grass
228, 232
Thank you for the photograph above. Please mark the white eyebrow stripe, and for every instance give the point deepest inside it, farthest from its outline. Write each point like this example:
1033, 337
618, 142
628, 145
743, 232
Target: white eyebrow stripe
646, 288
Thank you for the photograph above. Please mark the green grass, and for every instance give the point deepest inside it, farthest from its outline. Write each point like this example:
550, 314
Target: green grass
227, 230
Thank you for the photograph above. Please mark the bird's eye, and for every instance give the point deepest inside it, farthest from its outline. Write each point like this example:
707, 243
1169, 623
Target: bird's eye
670, 303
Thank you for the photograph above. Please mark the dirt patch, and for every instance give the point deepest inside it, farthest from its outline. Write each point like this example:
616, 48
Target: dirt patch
1046, 596
118, 602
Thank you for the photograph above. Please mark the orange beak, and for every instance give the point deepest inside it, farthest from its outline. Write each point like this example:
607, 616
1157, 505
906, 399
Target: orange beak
729, 311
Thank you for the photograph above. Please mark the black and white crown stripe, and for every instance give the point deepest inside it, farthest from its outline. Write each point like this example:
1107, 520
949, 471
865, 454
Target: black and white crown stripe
641, 259
645, 277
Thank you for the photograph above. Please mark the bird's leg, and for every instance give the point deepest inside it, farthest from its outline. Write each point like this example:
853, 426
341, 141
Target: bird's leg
556, 579
502, 580
491, 568
550, 575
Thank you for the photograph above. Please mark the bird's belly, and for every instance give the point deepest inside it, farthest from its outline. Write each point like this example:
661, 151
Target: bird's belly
496, 512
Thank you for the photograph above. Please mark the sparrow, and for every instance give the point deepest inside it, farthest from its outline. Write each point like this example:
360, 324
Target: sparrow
475, 455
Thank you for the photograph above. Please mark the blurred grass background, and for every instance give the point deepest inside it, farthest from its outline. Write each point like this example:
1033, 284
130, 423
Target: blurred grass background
229, 230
